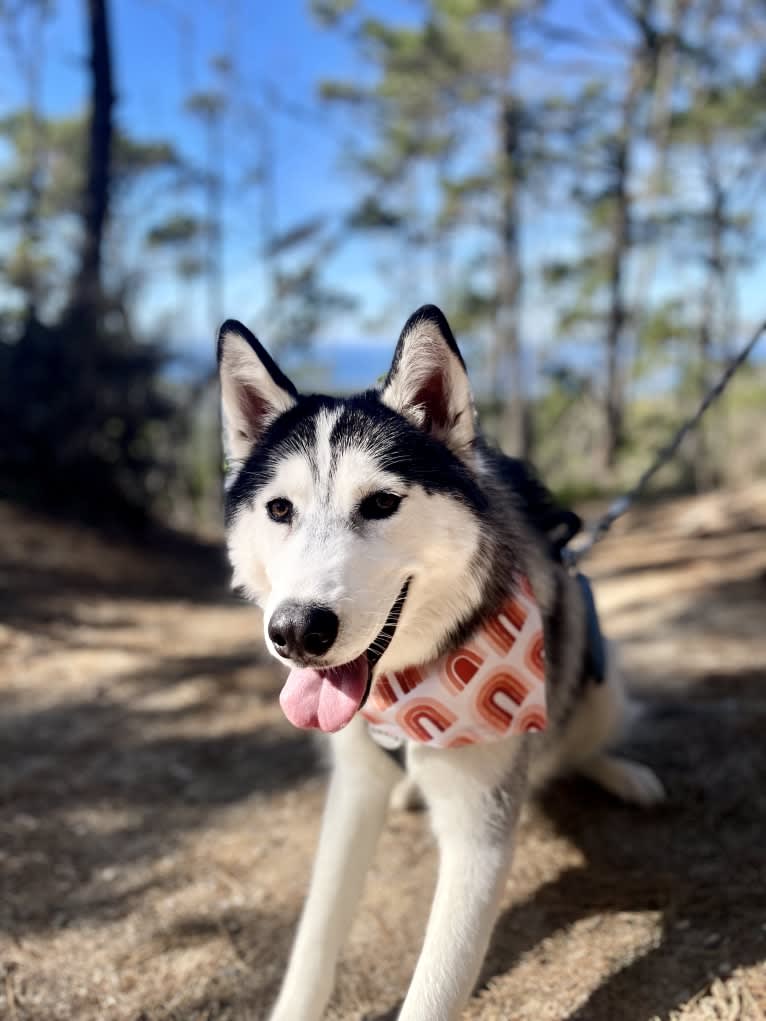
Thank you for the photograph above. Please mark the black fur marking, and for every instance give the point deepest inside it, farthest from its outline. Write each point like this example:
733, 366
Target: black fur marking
397, 754
561, 702
554, 628
502, 553
557, 524
594, 661
377, 648
292, 432
404, 450
396, 445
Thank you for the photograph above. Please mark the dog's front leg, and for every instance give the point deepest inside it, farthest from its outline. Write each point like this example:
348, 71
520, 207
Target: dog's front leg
475, 795
355, 811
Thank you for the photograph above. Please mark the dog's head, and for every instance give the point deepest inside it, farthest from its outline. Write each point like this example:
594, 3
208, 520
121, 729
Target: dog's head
355, 523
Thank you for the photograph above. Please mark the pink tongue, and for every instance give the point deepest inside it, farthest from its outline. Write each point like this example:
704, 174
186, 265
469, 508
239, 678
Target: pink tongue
324, 699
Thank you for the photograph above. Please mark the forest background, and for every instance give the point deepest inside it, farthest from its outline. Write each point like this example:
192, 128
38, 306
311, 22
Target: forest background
579, 185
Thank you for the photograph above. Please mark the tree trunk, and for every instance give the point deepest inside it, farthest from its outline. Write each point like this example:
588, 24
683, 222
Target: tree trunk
214, 200
88, 285
619, 249
616, 320
705, 469
30, 60
30, 224
516, 418
660, 132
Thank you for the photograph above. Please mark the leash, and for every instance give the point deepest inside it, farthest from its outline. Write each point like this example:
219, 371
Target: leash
572, 557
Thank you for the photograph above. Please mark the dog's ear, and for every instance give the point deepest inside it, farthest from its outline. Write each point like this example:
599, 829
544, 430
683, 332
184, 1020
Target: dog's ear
427, 381
254, 390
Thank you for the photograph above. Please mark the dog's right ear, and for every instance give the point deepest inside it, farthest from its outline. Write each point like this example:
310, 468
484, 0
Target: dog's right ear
254, 390
427, 382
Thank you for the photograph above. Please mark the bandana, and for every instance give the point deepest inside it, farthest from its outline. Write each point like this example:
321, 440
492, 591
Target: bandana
489, 688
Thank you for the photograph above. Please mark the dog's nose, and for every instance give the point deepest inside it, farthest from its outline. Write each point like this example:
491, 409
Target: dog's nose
300, 629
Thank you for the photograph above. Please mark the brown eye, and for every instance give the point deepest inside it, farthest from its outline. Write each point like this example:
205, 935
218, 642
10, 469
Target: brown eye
379, 505
280, 510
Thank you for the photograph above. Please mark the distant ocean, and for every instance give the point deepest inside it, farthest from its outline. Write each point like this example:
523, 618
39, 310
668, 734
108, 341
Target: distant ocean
337, 367
344, 367
347, 366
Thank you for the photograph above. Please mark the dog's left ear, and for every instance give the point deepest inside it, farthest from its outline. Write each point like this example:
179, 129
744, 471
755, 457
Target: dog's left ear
427, 381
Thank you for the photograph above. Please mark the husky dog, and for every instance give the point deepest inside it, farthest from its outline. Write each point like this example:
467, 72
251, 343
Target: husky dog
378, 533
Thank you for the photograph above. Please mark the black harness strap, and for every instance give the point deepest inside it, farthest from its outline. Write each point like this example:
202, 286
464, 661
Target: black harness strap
397, 754
594, 662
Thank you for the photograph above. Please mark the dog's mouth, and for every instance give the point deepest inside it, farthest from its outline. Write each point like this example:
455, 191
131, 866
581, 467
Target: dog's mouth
328, 698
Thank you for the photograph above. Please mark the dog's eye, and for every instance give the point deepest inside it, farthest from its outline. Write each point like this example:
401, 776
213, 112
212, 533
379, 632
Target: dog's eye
280, 510
379, 505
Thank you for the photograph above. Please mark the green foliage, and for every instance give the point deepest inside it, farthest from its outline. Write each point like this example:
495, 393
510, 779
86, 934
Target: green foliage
206, 105
346, 92
296, 236
133, 157
371, 214
178, 229
476, 123
49, 154
433, 167
663, 339
303, 302
330, 12
469, 306
90, 418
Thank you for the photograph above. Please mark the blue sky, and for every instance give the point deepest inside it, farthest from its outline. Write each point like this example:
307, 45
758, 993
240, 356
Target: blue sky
162, 52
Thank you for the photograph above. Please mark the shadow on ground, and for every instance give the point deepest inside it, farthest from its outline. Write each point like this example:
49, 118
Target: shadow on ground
698, 860
66, 767
113, 788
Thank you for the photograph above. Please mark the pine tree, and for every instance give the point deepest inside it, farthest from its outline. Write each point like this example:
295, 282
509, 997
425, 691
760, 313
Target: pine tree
717, 130
455, 143
610, 123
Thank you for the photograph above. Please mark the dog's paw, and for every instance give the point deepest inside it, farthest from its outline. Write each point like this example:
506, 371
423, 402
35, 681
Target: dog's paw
628, 780
407, 797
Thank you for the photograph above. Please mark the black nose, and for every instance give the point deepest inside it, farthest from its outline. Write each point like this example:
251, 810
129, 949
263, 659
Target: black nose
300, 629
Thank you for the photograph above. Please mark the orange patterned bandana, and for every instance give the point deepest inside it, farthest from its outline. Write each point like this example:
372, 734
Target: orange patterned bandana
489, 688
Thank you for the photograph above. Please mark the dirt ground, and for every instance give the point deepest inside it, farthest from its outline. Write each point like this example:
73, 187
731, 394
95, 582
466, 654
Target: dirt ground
158, 815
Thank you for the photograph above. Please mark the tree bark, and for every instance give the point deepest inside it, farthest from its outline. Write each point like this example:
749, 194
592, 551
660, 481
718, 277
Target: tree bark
614, 412
660, 132
214, 199
516, 426
619, 249
646, 64
88, 285
30, 60
705, 470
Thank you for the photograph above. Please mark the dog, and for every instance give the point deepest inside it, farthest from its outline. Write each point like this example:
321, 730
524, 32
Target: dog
385, 540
